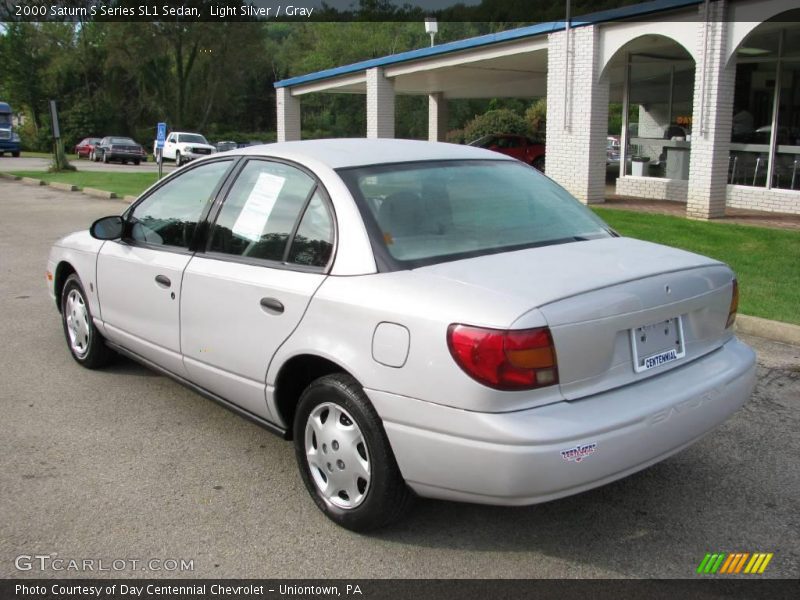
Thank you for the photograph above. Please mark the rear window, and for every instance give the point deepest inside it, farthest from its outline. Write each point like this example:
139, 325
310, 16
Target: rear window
122, 141
428, 212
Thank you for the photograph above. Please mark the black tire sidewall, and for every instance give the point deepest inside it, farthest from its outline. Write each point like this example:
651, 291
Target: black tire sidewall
97, 353
384, 474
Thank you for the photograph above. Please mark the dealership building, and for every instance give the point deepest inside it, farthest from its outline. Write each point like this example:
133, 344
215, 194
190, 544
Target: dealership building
710, 91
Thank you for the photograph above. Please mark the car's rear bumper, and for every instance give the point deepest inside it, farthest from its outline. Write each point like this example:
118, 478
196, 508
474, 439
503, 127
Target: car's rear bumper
124, 156
519, 458
9, 146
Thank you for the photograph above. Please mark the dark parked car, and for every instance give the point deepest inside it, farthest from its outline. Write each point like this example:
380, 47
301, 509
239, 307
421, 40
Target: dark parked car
520, 147
123, 149
85, 148
225, 146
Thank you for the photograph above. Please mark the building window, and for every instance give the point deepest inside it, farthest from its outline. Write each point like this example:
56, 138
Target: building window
765, 132
660, 96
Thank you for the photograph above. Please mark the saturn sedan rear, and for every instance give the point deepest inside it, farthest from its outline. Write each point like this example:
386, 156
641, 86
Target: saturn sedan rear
421, 319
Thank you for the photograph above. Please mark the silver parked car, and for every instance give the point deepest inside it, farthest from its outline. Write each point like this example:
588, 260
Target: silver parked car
421, 319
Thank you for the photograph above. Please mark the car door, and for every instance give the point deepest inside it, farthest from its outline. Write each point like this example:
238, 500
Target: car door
169, 146
268, 251
139, 276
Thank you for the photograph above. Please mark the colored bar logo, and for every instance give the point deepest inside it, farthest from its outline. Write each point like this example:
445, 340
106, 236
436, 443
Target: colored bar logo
734, 563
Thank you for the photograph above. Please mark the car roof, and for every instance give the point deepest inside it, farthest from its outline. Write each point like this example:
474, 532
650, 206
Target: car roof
353, 152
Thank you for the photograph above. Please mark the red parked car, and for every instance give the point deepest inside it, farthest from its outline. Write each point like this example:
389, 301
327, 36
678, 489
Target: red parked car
520, 147
85, 149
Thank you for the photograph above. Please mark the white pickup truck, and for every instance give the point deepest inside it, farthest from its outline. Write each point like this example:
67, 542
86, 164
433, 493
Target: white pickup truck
183, 146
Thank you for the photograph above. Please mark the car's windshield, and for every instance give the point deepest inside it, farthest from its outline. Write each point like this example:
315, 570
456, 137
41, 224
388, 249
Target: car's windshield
122, 141
432, 211
5, 119
192, 138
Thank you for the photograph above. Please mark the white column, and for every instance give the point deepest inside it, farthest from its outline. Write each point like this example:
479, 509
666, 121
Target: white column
437, 117
712, 118
288, 115
380, 104
577, 128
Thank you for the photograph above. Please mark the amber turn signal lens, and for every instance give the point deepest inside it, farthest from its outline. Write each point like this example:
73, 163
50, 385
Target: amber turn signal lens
734, 305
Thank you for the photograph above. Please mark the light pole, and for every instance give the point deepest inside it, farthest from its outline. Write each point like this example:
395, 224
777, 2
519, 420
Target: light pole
431, 27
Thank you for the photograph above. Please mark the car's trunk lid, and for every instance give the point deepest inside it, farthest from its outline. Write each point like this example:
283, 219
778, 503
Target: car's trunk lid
594, 294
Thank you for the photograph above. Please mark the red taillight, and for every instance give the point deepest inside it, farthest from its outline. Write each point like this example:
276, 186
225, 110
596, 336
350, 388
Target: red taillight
734, 304
520, 359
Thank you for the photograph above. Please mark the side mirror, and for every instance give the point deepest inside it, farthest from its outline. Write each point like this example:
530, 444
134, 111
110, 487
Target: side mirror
107, 228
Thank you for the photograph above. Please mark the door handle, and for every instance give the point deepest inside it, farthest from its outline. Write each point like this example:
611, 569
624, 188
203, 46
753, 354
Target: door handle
272, 305
163, 281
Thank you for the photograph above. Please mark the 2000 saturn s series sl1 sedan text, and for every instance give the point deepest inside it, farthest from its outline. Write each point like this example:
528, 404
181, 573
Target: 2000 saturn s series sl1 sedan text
419, 318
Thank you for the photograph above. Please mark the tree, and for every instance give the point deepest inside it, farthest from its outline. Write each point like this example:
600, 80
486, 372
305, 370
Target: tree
496, 121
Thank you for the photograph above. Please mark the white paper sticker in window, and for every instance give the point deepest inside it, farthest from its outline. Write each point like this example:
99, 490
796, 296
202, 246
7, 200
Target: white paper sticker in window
253, 218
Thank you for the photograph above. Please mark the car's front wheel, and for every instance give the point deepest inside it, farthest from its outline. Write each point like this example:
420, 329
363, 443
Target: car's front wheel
345, 458
84, 340
178, 161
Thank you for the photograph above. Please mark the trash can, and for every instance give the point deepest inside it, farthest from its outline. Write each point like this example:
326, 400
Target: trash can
639, 165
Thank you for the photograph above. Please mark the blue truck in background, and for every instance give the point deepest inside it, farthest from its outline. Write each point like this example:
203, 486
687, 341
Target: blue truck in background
9, 139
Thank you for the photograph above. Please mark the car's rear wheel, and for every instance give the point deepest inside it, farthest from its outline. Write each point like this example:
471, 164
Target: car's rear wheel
345, 458
83, 339
136, 162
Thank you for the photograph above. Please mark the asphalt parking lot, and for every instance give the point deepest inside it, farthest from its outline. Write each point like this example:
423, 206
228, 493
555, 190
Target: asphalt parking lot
33, 163
126, 464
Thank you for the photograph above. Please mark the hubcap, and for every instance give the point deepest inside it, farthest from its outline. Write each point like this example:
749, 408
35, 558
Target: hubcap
337, 456
77, 317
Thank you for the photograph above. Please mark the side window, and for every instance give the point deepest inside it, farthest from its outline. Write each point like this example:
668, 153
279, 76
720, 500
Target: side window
261, 210
171, 137
169, 216
313, 243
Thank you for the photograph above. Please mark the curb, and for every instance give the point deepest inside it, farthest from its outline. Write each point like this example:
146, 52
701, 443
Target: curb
99, 193
32, 181
772, 330
130, 199
10, 176
68, 187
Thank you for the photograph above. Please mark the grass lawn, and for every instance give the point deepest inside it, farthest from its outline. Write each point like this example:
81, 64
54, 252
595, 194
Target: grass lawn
766, 261
123, 184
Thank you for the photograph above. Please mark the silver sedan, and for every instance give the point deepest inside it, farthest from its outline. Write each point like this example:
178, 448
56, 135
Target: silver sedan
420, 319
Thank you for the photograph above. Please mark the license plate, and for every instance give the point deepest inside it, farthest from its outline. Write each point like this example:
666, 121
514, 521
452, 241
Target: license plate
657, 344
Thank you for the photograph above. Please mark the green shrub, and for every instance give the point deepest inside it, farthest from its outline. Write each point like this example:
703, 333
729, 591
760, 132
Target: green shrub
496, 121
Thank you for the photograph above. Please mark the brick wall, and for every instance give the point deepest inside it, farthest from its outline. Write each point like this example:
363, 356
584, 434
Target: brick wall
288, 115
653, 188
576, 154
380, 105
712, 117
745, 196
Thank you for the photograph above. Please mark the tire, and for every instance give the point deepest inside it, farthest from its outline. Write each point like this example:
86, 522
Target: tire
178, 162
15, 154
378, 495
538, 164
83, 339
136, 162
